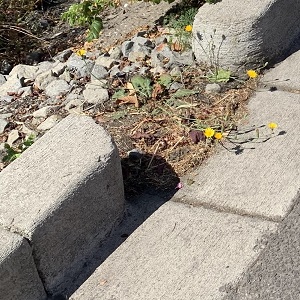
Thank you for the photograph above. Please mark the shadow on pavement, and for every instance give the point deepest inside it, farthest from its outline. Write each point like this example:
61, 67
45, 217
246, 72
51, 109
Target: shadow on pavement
153, 185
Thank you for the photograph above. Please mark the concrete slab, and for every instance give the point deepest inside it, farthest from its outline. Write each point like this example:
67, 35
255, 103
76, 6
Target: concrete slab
264, 179
242, 35
284, 76
19, 278
276, 273
180, 252
64, 194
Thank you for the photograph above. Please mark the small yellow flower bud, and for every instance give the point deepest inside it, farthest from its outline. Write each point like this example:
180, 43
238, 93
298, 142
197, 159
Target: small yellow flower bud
218, 135
188, 28
252, 73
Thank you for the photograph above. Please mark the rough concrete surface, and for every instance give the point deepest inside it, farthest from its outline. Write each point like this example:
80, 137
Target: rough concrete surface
245, 34
276, 273
19, 279
65, 194
284, 76
255, 179
180, 252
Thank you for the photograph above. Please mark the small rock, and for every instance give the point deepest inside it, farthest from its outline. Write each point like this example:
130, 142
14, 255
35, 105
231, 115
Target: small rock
66, 76
81, 68
57, 88
162, 56
176, 86
105, 61
136, 56
6, 99
46, 66
12, 137
25, 91
212, 88
95, 94
2, 79
184, 59
12, 85
114, 71
49, 122
161, 40
44, 112
3, 124
143, 70
142, 41
115, 53
158, 70
135, 154
27, 131
64, 55
58, 69
74, 106
127, 48
98, 72
176, 71
43, 80
28, 72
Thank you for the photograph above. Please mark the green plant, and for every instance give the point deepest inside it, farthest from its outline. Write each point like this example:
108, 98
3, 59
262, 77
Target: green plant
87, 13
142, 85
12, 153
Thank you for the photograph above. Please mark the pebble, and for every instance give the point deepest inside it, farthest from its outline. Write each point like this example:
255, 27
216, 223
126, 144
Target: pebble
95, 94
3, 124
12, 137
49, 122
57, 88
212, 88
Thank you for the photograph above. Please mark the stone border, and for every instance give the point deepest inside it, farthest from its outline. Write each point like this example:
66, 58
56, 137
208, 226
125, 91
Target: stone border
64, 195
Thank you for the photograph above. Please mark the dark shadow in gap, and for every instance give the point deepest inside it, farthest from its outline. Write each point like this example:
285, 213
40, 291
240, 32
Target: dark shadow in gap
149, 182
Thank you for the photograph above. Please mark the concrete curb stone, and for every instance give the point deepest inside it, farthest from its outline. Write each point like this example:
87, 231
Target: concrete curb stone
245, 34
18, 274
64, 194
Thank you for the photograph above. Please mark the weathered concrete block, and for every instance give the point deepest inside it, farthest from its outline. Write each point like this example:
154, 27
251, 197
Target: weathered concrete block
64, 194
241, 35
19, 278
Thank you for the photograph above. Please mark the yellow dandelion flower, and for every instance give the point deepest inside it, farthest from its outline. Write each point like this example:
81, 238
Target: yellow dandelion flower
252, 73
209, 132
218, 135
81, 52
272, 125
188, 28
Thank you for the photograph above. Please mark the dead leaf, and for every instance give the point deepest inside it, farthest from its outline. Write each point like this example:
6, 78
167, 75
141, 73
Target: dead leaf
128, 100
196, 136
160, 47
157, 90
130, 88
176, 46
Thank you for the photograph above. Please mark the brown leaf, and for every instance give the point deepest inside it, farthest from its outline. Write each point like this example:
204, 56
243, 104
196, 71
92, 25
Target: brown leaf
128, 100
176, 46
157, 90
196, 136
160, 47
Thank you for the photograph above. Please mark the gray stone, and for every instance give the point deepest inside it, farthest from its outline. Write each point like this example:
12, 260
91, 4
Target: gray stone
79, 67
143, 42
212, 88
105, 61
49, 122
3, 124
127, 48
43, 80
245, 34
44, 112
185, 58
64, 194
64, 55
57, 88
74, 106
98, 73
58, 69
94, 93
6, 99
46, 66
19, 278
115, 53
160, 40
12, 85
162, 56
2, 79
136, 56
114, 71
175, 71
25, 91
28, 72
176, 86
12, 137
